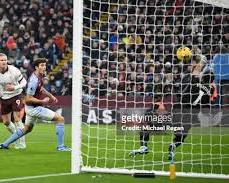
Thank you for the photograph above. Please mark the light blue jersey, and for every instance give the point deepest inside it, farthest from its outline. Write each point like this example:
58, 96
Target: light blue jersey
34, 86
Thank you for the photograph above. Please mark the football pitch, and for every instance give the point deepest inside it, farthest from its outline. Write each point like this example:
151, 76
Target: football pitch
40, 157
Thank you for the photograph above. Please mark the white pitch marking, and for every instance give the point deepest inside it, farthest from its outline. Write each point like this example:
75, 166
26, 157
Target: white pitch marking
33, 177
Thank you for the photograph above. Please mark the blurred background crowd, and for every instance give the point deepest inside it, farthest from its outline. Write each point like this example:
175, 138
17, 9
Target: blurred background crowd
130, 45
38, 28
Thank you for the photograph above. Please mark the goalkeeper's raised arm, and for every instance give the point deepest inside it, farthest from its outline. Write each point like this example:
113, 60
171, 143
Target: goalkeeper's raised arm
205, 82
198, 90
197, 86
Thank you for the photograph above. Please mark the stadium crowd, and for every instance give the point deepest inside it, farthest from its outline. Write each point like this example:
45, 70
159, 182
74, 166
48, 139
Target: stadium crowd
129, 47
38, 28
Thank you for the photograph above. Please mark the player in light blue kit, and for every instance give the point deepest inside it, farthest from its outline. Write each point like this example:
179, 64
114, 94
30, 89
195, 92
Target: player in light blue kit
35, 101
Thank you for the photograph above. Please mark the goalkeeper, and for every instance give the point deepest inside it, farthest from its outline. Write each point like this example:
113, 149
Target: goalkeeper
197, 88
197, 91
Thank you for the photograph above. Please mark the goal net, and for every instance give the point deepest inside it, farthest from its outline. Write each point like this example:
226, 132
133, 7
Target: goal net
130, 69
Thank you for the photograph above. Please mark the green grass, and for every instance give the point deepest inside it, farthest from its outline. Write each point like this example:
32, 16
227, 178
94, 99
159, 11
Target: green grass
205, 152
41, 157
114, 178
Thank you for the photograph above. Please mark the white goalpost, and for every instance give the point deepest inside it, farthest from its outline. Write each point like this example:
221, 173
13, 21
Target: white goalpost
77, 86
220, 3
124, 61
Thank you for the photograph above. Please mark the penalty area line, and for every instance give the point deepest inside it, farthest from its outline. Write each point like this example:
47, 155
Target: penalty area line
34, 177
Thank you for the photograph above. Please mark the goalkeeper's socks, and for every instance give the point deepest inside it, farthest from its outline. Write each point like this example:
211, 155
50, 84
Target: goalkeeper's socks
60, 135
171, 152
18, 134
143, 143
172, 147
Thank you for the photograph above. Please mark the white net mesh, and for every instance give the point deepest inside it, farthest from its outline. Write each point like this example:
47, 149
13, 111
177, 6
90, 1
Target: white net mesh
129, 61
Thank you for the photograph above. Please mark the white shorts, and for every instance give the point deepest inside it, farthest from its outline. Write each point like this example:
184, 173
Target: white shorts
38, 113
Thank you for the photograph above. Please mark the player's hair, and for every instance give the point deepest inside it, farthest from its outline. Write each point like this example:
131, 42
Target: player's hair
39, 61
3, 54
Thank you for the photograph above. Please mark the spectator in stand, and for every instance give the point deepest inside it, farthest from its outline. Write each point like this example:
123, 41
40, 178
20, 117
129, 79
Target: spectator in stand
122, 45
46, 85
28, 29
59, 41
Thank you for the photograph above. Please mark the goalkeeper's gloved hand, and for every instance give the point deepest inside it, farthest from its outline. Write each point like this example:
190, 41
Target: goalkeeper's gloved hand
201, 93
203, 90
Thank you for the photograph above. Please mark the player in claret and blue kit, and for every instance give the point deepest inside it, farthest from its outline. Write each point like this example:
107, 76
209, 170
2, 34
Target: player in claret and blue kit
35, 109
